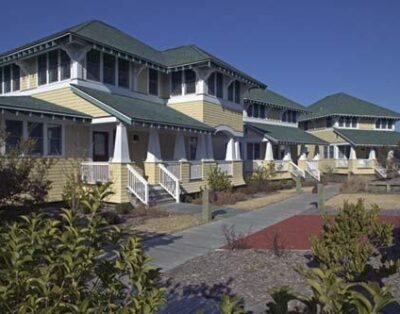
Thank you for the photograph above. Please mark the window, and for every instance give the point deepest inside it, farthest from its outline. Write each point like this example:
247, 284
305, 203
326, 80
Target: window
108, 69
220, 83
192, 147
211, 84
262, 112
7, 78
384, 124
54, 140
65, 65
250, 111
215, 84
289, 116
176, 83
42, 69
329, 152
15, 77
153, 82
190, 81
123, 73
348, 122
329, 122
253, 151
14, 130
234, 92
344, 152
53, 66
256, 111
35, 132
93, 65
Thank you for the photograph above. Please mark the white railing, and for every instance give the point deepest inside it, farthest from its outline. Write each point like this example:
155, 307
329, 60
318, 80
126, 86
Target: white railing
138, 185
381, 171
281, 165
296, 171
313, 170
94, 172
342, 163
364, 163
225, 166
196, 170
169, 182
174, 167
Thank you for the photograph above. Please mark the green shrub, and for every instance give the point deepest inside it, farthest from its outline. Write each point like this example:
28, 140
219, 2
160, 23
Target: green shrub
218, 180
59, 265
349, 241
259, 181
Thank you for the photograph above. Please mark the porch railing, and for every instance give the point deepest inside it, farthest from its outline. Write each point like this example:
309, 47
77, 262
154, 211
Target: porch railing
252, 165
342, 163
281, 165
138, 185
313, 169
225, 166
196, 170
296, 171
174, 167
94, 172
169, 182
364, 163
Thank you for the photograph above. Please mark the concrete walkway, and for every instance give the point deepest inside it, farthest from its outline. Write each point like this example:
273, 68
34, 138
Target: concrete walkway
173, 250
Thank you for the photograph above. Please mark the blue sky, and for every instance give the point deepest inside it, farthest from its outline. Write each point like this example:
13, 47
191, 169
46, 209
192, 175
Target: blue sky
303, 49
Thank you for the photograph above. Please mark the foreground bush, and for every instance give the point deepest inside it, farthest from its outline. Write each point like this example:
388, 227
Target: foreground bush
218, 181
59, 265
355, 184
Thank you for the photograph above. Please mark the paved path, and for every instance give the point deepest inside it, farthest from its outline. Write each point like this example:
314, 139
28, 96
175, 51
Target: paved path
173, 250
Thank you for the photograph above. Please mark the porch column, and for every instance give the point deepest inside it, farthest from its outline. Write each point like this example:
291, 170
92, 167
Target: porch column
287, 155
353, 154
372, 154
230, 150
303, 152
269, 152
201, 83
390, 155
77, 53
316, 153
335, 152
201, 151
153, 150
237, 149
121, 146
179, 149
210, 150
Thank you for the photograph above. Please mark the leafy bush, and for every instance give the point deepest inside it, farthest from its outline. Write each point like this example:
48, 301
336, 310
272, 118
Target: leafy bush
349, 241
354, 184
60, 265
23, 176
218, 180
259, 181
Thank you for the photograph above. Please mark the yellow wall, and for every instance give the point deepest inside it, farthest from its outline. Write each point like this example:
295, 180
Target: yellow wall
66, 98
366, 124
328, 136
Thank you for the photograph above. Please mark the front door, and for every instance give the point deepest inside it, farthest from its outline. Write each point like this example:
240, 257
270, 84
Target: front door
100, 146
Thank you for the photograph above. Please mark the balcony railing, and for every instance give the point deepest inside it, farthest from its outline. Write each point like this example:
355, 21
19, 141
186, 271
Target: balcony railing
364, 163
95, 172
196, 170
225, 166
342, 163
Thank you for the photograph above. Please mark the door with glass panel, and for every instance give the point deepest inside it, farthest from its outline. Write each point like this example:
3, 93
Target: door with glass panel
100, 146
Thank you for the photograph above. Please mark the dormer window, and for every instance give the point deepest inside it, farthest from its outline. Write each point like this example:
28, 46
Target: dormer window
347, 122
234, 92
123, 73
93, 58
215, 84
183, 82
289, 116
9, 78
53, 66
108, 69
153, 82
384, 124
257, 111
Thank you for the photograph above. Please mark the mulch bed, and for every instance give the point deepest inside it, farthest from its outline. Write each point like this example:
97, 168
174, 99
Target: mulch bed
294, 233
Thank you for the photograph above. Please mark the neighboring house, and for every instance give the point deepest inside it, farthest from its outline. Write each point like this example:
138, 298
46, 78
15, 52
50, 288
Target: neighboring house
356, 131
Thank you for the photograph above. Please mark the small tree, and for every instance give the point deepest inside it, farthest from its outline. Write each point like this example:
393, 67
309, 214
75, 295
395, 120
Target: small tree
259, 180
218, 180
23, 176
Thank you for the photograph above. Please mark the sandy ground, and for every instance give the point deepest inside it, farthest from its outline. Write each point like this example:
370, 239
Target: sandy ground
269, 199
169, 224
384, 201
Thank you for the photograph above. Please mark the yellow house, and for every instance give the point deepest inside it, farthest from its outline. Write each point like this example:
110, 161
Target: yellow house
357, 133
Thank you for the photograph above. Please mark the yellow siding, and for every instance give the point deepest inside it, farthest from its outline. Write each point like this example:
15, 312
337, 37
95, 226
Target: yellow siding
192, 109
366, 124
66, 98
77, 141
328, 136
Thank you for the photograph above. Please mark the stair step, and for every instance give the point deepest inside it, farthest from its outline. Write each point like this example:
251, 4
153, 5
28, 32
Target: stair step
157, 195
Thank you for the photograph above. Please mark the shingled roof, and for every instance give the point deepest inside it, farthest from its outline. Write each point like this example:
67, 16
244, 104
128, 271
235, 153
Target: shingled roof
369, 137
342, 104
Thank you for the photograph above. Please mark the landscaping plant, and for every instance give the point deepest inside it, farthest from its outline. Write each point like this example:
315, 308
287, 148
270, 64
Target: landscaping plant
218, 180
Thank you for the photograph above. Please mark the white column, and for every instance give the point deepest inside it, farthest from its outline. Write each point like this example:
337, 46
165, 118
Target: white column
230, 150
390, 155
201, 150
121, 146
237, 149
335, 152
303, 153
153, 150
77, 54
269, 152
180, 149
201, 83
317, 156
210, 150
353, 154
288, 154
372, 154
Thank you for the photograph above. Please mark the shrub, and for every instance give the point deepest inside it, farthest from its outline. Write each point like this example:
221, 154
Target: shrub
235, 240
349, 241
259, 181
218, 180
224, 198
354, 184
59, 265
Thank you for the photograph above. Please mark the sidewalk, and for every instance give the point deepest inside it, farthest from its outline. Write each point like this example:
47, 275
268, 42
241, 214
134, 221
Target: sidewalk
170, 251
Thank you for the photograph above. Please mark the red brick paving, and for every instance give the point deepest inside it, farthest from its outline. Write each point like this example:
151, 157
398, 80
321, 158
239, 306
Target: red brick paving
294, 233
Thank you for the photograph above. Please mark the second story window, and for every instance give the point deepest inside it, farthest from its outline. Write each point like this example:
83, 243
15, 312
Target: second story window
14, 131
347, 122
176, 83
183, 82
10, 78
257, 111
215, 84
329, 122
123, 73
289, 116
153, 82
7, 78
93, 65
108, 69
384, 124
53, 66
234, 92
190, 81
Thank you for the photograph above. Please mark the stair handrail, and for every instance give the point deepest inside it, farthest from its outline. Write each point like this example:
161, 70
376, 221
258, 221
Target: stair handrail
295, 170
381, 170
138, 185
169, 182
313, 170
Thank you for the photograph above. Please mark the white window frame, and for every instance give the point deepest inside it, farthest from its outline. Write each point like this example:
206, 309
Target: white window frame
337, 122
47, 69
11, 79
387, 123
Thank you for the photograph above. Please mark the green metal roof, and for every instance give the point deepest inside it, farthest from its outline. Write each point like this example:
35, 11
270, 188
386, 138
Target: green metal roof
346, 105
133, 110
369, 137
31, 105
269, 97
279, 134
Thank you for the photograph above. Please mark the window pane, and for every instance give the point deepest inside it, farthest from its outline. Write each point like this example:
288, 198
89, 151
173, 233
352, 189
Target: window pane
237, 92
332, 152
16, 77
328, 122
257, 151
230, 92
53, 66
211, 84
354, 122
35, 132
262, 112
54, 138
1, 80
347, 122
108, 69
13, 133
390, 124
153, 82
190, 81
256, 111
326, 152
93, 65
7, 78
176, 83
284, 116
250, 111
123, 73
65, 65
42, 69
220, 84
